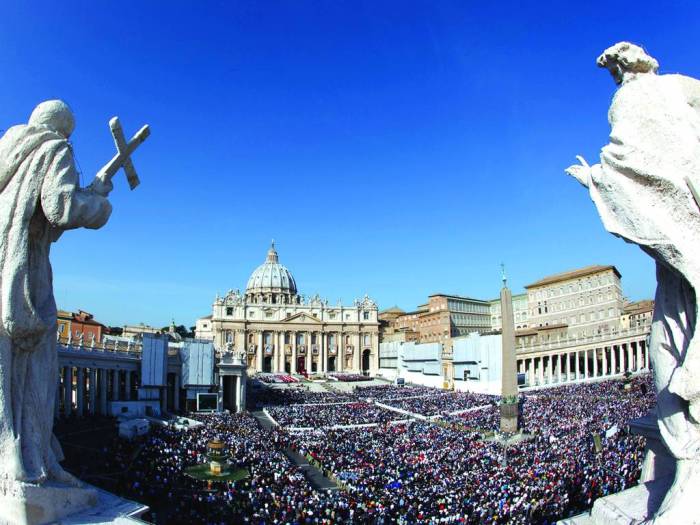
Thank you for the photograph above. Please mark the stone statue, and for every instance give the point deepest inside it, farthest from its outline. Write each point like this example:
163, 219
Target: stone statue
40, 198
645, 192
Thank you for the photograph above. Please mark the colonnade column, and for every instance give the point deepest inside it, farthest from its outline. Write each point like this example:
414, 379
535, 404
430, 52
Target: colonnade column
115, 385
560, 371
595, 362
630, 365
646, 356
93, 391
80, 391
605, 361
67, 390
127, 385
293, 364
102, 381
176, 394
220, 397
259, 353
242, 393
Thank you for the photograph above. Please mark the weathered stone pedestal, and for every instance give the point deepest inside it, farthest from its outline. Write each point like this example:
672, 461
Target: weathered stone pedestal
27, 504
639, 503
22, 503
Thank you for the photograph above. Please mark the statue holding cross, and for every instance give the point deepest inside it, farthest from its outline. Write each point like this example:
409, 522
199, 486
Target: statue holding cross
40, 198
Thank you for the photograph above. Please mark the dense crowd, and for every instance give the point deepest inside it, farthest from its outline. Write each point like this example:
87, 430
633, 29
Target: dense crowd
348, 378
277, 378
327, 415
386, 392
297, 395
417, 472
422, 472
443, 403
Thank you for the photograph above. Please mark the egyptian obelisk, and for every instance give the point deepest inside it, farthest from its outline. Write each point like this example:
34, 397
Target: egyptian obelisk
509, 380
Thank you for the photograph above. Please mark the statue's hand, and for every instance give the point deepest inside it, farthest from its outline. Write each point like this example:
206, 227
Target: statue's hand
101, 186
580, 172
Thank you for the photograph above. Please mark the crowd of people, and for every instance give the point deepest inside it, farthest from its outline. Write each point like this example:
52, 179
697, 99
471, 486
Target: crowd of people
328, 415
442, 403
348, 378
422, 472
277, 378
405, 473
387, 392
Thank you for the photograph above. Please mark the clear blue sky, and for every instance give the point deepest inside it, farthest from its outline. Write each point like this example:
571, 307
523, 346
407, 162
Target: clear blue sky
390, 148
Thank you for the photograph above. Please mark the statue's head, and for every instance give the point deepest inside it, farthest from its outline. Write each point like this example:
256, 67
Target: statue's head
626, 59
55, 115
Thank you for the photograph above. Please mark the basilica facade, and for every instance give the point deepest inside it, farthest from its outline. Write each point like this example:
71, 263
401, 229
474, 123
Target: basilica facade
280, 330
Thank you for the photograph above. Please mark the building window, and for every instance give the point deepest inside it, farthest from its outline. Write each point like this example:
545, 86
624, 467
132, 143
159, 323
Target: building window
365, 316
229, 311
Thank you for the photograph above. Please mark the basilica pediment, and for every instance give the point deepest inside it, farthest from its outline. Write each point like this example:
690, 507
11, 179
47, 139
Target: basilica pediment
301, 318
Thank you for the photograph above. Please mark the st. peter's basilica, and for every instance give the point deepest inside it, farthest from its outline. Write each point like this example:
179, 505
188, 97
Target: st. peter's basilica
280, 330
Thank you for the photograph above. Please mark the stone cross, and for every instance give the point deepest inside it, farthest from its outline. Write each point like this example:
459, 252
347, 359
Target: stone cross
124, 151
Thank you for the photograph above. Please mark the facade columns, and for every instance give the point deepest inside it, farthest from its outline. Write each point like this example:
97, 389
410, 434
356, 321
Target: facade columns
259, 353
638, 360
550, 369
356, 353
576, 364
540, 371
67, 390
323, 351
339, 352
293, 341
585, 364
93, 391
613, 360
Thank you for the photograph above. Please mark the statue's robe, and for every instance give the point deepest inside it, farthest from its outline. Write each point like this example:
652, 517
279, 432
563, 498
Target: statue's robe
39, 198
641, 193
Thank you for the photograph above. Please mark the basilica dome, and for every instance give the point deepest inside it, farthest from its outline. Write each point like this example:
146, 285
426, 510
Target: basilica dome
271, 278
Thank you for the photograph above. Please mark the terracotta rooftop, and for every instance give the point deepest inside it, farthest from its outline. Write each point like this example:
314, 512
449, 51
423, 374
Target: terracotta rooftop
573, 274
